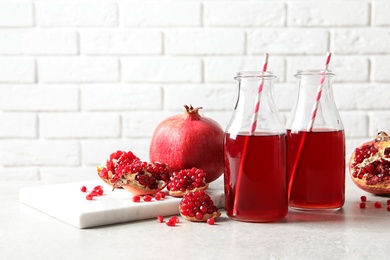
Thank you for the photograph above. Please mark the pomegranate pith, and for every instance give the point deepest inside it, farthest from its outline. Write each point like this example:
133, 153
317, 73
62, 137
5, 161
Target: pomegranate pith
189, 140
369, 165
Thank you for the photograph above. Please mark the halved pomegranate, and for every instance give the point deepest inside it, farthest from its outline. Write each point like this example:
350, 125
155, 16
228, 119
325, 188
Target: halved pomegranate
369, 165
142, 178
111, 169
186, 181
198, 206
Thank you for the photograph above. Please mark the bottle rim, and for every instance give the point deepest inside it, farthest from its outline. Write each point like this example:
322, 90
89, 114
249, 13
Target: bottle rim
314, 72
255, 74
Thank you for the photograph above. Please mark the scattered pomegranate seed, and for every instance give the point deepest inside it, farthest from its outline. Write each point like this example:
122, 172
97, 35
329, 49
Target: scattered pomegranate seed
147, 198
362, 205
171, 223
363, 198
158, 196
83, 188
388, 202
160, 218
210, 221
162, 194
137, 198
377, 204
174, 218
89, 197
99, 187
99, 192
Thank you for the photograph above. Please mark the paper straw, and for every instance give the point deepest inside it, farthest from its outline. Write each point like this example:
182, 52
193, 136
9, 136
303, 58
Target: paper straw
246, 143
259, 91
310, 127
319, 92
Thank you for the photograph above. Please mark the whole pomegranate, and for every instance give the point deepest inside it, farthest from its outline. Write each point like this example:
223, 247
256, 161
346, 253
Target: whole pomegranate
189, 140
369, 165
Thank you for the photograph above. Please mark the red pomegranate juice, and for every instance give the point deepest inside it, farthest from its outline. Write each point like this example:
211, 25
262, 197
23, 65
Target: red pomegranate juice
255, 177
319, 179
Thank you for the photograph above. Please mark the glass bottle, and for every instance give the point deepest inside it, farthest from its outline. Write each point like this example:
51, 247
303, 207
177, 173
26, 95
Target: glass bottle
315, 146
255, 158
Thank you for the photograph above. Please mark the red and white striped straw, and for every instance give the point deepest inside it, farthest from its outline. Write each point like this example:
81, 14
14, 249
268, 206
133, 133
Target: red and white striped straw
319, 92
259, 91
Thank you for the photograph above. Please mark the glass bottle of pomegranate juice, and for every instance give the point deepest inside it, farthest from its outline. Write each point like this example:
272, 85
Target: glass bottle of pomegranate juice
315, 150
255, 158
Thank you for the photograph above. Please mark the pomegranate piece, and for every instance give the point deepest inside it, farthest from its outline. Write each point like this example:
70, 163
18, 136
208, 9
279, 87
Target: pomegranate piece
112, 169
198, 206
189, 140
89, 197
142, 178
369, 165
187, 180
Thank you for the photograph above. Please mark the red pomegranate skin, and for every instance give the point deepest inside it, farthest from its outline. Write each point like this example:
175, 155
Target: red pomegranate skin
189, 140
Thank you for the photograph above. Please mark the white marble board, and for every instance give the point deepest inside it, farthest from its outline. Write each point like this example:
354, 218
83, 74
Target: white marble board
67, 203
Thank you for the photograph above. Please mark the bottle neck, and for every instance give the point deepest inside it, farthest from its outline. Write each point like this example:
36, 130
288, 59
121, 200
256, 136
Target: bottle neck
255, 102
315, 108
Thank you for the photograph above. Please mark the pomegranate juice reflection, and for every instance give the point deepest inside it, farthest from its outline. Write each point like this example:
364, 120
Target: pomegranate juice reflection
255, 177
319, 181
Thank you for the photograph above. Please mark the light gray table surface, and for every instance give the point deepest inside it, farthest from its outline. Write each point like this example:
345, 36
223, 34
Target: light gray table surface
349, 233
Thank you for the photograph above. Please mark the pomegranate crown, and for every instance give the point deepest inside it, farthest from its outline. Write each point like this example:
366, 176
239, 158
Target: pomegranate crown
192, 113
191, 109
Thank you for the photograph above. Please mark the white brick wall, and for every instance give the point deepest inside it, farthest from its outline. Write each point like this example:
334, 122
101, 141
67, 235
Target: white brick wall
81, 79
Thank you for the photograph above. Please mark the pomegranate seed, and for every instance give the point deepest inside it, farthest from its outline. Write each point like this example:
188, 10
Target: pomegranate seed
199, 215
161, 194
94, 193
174, 218
377, 204
83, 188
158, 196
363, 198
362, 205
388, 208
89, 197
388, 202
147, 198
171, 223
99, 187
160, 218
137, 198
210, 221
